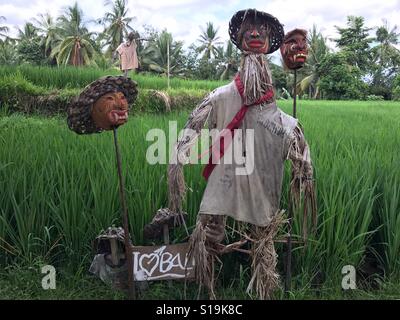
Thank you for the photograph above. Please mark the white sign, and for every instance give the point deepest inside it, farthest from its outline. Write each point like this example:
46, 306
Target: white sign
162, 262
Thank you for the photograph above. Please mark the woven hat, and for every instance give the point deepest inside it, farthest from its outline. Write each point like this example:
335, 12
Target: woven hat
79, 112
275, 37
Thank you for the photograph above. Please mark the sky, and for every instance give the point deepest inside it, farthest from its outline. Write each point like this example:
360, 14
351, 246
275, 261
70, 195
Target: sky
185, 18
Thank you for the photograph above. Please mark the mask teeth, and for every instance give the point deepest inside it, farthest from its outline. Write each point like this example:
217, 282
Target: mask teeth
116, 116
299, 55
119, 115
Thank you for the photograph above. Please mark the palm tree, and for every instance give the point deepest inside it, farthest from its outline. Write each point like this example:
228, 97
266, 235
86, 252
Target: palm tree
385, 51
209, 41
3, 29
231, 60
29, 32
155, 58
147, 58
47, 28
76, 46
316, 52
116, 24
386, 37
8, 53
386, 58
145, 51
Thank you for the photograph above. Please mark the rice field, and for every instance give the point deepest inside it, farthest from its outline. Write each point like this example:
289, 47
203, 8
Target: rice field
71, 78
58, 189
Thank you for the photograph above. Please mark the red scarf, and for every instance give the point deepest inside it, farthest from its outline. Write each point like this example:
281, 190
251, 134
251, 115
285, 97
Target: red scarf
234, 124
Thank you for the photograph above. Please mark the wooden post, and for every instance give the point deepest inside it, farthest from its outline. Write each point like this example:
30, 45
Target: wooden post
288, 279
168, 63
166, 242
114, 251
128, 248
295, 95
166, 233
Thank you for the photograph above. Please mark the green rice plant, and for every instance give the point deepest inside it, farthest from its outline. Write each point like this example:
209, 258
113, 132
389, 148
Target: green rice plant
351, 152
21, 95
57, 77
73, 77
16, 83
59, 189
390, 218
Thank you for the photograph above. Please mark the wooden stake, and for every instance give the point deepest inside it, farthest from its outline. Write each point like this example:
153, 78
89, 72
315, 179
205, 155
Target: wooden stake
166, 242
114, 251
288, 279
168, 63
166, 233
128, 249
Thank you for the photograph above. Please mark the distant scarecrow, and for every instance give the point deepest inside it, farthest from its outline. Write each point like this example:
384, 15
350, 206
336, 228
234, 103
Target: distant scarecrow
251, 198
128, 55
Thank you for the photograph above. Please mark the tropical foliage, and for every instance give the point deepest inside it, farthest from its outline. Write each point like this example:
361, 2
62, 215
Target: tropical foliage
8, 53
76, 46
317, 51
156, 55
116, 24
209, 42
28, 48
3, 29
354, 42
47, 28
386, 58
230, 61
338, 80
369, 54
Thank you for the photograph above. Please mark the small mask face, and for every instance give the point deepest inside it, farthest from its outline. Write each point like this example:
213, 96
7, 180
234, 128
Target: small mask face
294, 49
110, 110
255, 38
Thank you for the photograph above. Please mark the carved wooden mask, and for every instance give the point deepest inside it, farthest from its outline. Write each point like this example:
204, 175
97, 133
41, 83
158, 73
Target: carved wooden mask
110, 110
294, 49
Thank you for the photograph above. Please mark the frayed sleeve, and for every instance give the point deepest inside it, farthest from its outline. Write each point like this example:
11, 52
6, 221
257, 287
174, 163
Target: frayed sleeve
302, 180
176, 181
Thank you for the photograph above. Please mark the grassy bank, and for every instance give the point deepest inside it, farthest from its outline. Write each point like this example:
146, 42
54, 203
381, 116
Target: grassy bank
72, 77
18, 93
24, 283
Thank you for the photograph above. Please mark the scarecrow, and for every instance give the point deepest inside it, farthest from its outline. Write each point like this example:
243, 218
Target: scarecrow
252, 197
128, 55
104, 105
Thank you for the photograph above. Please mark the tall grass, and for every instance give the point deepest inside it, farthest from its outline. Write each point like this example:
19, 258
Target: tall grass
72, 77
58, 189
353, 147
390, 220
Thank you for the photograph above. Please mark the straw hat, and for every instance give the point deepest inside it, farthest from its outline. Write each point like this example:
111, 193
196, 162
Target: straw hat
275, 37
